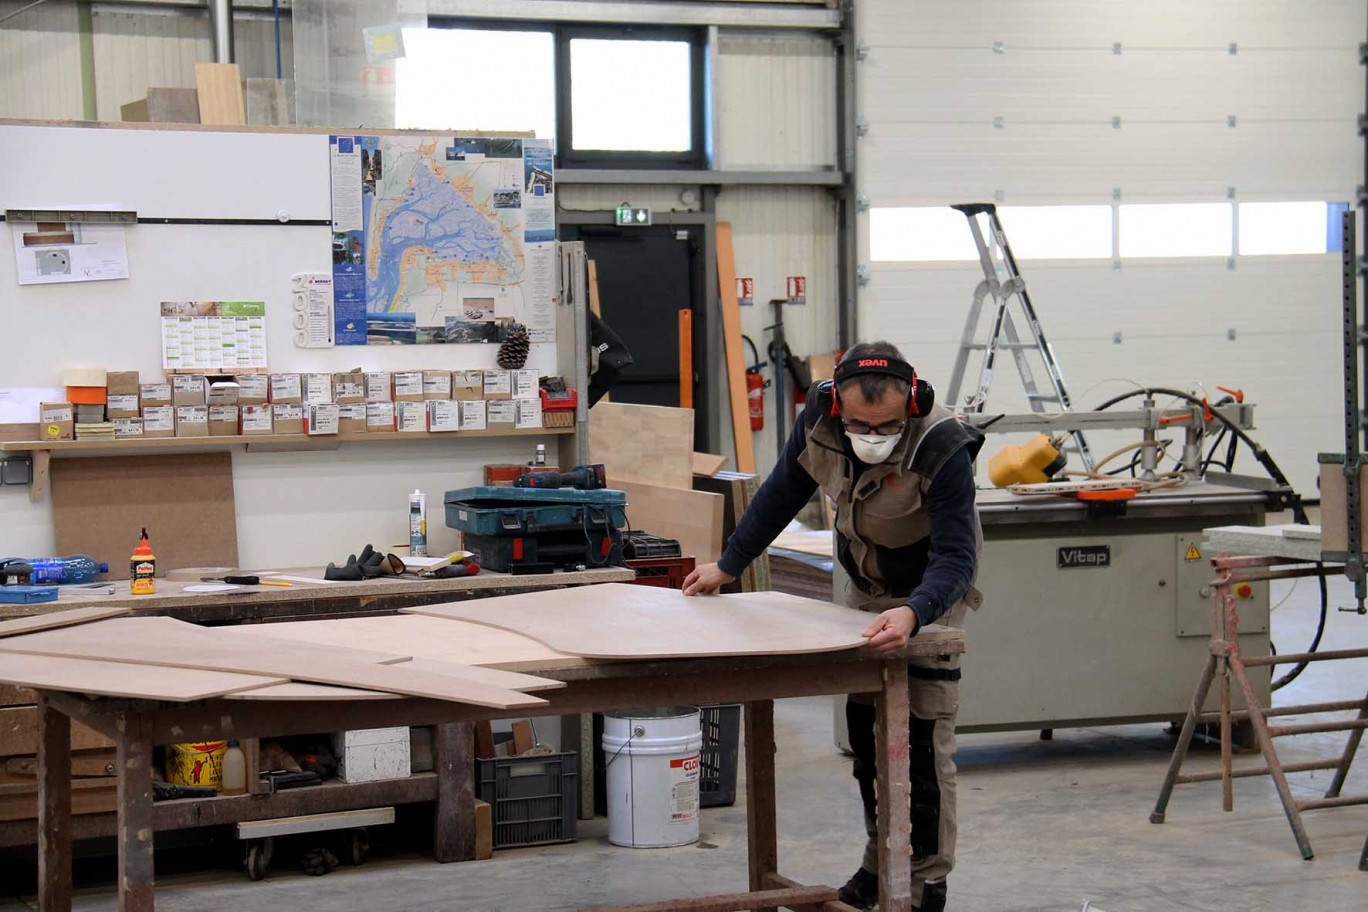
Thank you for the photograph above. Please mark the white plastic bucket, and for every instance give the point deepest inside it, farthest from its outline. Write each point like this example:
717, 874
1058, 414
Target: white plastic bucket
652, 759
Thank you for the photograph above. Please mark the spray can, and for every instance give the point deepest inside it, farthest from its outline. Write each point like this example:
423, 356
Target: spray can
142, 568
418, 524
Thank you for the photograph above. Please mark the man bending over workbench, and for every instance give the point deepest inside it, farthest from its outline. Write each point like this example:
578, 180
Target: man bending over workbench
900, 469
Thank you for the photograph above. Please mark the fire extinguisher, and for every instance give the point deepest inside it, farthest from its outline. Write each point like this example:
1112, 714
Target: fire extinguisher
755, 388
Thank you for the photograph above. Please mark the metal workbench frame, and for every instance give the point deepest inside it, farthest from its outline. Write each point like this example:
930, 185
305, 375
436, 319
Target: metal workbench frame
137, 725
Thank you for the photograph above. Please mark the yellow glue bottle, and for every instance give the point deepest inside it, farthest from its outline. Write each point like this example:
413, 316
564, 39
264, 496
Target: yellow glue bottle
142, 568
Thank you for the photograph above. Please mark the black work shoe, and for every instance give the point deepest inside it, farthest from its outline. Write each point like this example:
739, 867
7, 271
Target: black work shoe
861, 891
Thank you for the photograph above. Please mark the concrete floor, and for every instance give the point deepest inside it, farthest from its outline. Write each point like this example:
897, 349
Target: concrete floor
1043, 826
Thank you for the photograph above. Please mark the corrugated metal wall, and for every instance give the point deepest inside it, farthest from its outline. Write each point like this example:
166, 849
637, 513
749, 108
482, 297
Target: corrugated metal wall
1174, 73
40, 61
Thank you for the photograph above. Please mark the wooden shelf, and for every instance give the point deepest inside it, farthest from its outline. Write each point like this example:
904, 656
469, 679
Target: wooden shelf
305, 441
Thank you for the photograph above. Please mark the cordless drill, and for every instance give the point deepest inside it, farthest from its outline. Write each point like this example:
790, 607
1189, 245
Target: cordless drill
585, 477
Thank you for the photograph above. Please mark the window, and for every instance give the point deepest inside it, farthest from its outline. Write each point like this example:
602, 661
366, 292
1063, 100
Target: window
631, 102
919, 234
1058, 232
939, 233
1283, 228
438, 82
1176, 230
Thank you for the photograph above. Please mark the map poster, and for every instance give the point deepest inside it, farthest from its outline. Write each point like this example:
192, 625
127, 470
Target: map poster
353, 161
443, 239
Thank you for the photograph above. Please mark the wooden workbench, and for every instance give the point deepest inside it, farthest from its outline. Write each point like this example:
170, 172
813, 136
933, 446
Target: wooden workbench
137, 725
301, 600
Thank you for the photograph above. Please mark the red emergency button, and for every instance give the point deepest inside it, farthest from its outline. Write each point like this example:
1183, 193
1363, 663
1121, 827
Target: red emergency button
1244, 591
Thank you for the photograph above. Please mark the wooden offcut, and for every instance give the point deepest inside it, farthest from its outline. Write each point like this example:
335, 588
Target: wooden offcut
166, 642
624, 621
34, 623
19, 732
117, 679
736, 358
185, 502
163, 105
708, 464
297, 690
219, 86
649, 444
268, 101
693, 518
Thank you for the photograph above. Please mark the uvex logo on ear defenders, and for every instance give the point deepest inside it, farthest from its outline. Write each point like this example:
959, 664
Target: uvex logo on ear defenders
921, 396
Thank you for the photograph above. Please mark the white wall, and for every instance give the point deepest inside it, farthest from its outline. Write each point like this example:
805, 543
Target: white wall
931, 88
40, 61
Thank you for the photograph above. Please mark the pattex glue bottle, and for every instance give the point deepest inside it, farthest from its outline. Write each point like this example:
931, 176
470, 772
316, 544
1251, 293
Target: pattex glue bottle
142, 568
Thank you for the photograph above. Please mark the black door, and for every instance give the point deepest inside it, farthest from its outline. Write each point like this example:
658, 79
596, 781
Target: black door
646, 276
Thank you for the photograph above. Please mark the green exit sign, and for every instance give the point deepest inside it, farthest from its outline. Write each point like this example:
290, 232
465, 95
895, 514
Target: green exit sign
630, 215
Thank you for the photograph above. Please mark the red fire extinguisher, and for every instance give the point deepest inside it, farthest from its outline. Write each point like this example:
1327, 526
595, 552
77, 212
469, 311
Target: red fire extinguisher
755, 389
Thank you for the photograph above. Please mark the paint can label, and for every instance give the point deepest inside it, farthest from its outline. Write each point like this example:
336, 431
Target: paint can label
684, 789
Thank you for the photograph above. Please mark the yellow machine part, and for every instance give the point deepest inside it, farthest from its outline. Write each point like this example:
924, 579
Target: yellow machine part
1023, 464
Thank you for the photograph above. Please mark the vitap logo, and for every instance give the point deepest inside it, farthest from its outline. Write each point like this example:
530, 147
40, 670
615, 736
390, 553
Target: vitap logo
1078, 556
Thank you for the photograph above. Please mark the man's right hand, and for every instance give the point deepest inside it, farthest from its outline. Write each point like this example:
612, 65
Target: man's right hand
706, 580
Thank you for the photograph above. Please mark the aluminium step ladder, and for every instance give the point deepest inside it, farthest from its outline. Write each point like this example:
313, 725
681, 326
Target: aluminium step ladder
1003, 282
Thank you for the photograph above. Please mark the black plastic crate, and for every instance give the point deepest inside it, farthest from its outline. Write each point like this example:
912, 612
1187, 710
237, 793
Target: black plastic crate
721, 725
533, 799
645, 546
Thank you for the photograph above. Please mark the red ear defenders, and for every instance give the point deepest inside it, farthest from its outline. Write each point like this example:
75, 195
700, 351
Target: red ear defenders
920, 396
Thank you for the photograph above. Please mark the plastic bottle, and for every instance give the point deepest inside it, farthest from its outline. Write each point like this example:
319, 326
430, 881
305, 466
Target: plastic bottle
234, 780
78, 568
539, 457
418, 524
142, 568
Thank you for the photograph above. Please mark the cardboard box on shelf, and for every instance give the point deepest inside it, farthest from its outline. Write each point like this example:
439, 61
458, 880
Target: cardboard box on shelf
321, 418
525, 384
288, 417
408, 386
122, 383
255, 420
436, 384
501, 414
498, 384
223, 420
349, 387
378, 386
253, 389
154, 394
318, 388
56, 421
128, 428
473, 415
410, 417
123, 405
192, 421
222, 392
286, 389
159, 421
189, 389
467, 385
379, 417
351, 418
529, 413
443, 415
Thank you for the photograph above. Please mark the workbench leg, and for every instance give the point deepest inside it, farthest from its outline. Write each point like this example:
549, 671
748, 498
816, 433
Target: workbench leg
1180, 749
453, 828
761, 826
894, 789
134, 772
54, 809
1227, 783
577, 734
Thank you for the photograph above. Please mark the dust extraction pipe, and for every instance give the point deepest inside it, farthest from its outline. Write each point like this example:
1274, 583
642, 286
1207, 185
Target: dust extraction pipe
221, 24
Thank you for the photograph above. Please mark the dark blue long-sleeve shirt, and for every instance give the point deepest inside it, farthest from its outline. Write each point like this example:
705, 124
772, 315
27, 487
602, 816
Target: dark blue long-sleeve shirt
953, 555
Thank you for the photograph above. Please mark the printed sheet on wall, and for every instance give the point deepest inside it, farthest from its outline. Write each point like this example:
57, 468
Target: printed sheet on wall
441, 239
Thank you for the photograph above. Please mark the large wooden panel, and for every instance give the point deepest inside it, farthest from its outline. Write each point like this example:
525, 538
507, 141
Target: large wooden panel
623, 621
36, 622
163, 641
423, 638
294, 690
736, 358
651, 444
220, 94
184, 501
694, 518
118, 679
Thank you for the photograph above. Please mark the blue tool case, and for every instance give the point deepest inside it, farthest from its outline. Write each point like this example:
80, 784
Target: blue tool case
490, 510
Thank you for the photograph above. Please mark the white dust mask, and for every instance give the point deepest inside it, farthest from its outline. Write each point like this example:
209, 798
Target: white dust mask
872, 449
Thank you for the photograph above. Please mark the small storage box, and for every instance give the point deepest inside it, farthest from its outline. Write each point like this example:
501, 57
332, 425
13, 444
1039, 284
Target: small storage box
371, 754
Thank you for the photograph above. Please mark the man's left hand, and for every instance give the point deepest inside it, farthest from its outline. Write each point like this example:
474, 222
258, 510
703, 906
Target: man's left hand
891, 630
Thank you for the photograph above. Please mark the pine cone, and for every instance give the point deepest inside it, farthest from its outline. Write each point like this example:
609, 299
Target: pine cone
513, 350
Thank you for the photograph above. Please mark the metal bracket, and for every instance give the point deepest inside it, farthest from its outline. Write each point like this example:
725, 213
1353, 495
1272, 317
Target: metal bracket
861, 202
997, 122
863, 275
1233, 48
1116, 122
89, 216
1232, 121
1116, 48
861, 126
861, 52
